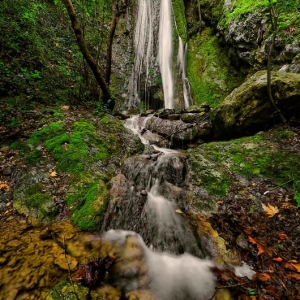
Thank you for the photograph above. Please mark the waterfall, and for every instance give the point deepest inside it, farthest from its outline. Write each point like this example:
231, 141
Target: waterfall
166, 52
181, 61
153, 43
144, 48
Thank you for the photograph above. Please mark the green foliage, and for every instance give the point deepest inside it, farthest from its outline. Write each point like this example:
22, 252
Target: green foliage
296, 188
40, 60
297, 198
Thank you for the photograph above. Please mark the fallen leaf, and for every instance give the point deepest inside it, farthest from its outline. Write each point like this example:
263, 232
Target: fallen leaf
270, 210
179, 211
293, 266
283, 236
274, 291
4, 186
53, 174
294, 276
261, 249
252, 240
288, 206
264, 277
277, 259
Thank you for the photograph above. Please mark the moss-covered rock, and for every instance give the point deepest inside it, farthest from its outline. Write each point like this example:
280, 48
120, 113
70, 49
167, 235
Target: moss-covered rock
31, 199
211, 75
248, 110
79, 154
246, 28
218, 165
87, 200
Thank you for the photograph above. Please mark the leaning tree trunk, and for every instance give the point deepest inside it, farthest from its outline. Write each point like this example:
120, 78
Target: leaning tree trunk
98, 74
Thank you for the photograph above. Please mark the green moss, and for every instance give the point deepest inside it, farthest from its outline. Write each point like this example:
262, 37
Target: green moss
179, 14
209, 70
67, 291
286, 9
87, 201
35, 198
283, 135
73, 151
35, 202
34, 157
46, 133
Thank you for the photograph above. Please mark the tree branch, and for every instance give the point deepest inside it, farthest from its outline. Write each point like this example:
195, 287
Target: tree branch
98, 74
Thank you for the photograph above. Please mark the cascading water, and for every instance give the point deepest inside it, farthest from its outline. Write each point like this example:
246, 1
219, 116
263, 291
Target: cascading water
170, 277
143, 204
166, 52
145, 209
155, 191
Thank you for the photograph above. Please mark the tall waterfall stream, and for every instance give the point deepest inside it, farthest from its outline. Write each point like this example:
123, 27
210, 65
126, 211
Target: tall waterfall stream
153, 48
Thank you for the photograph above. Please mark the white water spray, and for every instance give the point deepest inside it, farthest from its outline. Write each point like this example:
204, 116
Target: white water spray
165, 53
172, 277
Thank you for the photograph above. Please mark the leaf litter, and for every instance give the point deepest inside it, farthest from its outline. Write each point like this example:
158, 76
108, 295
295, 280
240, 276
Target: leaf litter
264, 229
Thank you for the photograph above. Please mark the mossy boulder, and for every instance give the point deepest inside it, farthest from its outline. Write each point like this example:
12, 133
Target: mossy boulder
247, 109
216, 167
67, 291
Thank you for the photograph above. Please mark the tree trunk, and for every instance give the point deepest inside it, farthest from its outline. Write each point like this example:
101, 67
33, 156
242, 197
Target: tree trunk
274, 21
111, 35
86, 53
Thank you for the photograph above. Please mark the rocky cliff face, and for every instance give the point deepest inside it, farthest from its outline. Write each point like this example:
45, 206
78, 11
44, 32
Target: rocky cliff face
232, 39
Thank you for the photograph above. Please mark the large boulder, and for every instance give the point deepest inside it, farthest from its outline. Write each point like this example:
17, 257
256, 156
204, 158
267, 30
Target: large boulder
247, 109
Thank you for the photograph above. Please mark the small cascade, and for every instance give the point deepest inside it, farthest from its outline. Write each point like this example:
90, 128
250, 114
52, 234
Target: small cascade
181, 61
150, 195
166, 52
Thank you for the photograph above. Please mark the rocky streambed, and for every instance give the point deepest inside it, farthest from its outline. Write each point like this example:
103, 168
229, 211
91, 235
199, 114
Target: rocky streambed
215, 189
